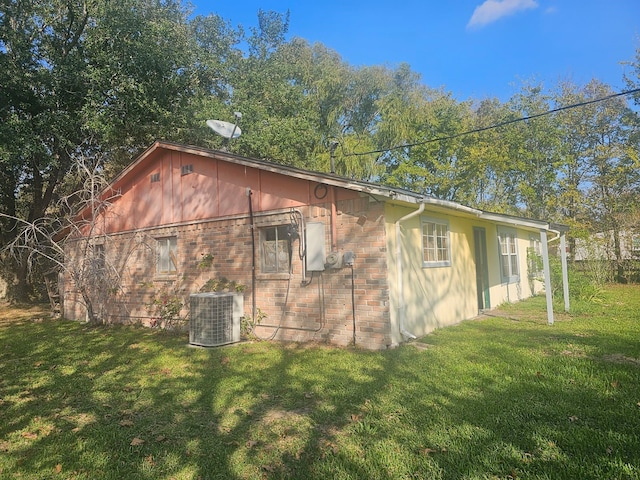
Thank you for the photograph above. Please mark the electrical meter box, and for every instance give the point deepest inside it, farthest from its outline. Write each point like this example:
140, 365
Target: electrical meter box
316, 252
348, 258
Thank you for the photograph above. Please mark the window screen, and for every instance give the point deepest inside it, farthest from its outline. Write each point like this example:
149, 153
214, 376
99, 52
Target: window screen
167, 260
275, 249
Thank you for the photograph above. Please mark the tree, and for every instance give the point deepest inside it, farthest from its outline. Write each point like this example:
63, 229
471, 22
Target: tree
41, 62
142, 75
44, 241
576, 129
217, 56
534, 153
613, 166
438, 164
489, 149
264, 86
84, 74
40, 65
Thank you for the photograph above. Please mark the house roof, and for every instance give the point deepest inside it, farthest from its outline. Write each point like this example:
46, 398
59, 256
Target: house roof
389, 194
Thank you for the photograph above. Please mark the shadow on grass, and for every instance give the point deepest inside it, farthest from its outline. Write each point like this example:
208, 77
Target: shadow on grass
489, 399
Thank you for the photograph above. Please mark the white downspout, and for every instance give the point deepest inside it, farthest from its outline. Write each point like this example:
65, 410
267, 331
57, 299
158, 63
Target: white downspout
401, 303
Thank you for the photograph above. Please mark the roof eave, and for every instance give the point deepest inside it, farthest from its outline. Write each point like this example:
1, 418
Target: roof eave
515, 221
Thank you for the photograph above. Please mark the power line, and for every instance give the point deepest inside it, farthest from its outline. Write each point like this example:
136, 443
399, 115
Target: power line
498, 125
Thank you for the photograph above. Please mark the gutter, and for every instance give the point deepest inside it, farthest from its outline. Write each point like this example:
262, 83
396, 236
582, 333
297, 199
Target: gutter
451, 205
402, 306
555, 232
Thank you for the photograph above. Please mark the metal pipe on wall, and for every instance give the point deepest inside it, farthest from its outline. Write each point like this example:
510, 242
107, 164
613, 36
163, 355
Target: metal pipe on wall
253, 256
302, 245
334, 220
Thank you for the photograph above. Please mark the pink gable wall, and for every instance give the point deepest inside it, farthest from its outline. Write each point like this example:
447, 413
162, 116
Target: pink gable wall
214, 189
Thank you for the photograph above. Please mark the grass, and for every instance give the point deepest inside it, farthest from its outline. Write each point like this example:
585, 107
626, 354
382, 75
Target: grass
503, 397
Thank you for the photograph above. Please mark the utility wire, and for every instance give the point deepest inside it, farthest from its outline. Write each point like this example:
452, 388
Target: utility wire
498, 125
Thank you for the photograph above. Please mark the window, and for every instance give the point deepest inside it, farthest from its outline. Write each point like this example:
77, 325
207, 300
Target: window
186, 169
155, 177
508, 254
98, 256
435, 243
275, 248
167, 261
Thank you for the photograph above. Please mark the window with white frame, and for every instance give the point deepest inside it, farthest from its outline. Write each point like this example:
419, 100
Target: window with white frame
436, 251
275, 247
166, 255
507, 240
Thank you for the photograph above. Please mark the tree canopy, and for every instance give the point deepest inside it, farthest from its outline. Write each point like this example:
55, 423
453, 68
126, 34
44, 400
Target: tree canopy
100, 79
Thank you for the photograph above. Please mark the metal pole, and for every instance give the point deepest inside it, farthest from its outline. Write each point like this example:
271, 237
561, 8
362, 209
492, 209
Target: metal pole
253, 257
565, 275
547, 275
353, 305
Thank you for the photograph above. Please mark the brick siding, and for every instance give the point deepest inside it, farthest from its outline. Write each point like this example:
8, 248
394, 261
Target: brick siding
320, 311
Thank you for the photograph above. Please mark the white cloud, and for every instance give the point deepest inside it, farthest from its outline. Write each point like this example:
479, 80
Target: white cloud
492, 10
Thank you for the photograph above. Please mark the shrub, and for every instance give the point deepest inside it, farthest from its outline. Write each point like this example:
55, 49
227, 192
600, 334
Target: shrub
582, 286
222, 284
247, 324
165, 308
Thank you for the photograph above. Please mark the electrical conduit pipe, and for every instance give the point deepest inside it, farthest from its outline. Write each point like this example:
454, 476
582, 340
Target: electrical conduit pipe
401, 302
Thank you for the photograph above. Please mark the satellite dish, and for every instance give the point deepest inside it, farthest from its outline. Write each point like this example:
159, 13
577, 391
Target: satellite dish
225, 129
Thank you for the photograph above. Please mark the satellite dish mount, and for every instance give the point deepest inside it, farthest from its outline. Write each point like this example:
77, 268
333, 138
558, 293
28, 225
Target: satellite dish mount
332, 153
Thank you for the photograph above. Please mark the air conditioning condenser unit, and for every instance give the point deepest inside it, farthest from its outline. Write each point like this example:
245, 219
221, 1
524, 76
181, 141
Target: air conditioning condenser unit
215, 318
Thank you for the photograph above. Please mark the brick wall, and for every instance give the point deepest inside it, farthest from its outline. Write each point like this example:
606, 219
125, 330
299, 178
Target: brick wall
319, 310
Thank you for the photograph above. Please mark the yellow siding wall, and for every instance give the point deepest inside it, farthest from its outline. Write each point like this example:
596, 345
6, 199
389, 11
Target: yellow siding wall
439, 296
510, 292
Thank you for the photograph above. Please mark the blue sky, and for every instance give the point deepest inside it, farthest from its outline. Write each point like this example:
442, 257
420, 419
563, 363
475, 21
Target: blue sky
472, 48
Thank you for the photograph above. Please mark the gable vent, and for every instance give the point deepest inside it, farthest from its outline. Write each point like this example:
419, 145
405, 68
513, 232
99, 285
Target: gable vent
186, 169
155, 177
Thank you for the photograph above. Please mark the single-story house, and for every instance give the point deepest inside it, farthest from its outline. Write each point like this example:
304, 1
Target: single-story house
316, 257
601, 246
610, 255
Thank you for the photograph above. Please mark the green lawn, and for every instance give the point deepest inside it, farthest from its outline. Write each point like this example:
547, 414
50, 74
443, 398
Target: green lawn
502, 397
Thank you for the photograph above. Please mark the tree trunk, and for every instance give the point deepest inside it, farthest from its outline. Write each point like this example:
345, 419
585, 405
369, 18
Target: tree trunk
18, 288
91, 315
617, 250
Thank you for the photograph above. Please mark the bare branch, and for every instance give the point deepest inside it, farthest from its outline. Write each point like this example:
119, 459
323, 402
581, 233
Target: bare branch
71, 241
